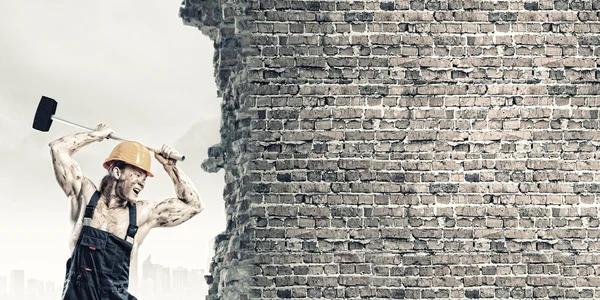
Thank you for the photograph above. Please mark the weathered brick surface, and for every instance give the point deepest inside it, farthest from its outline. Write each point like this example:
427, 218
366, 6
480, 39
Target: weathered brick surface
406, 149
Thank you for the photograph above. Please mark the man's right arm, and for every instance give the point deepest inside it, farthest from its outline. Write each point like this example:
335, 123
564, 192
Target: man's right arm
67, 170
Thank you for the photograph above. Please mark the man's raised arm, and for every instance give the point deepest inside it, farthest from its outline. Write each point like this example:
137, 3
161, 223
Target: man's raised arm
174, 211
66, 169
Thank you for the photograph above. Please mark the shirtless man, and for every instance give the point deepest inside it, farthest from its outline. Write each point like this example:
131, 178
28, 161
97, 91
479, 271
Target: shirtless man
110, 223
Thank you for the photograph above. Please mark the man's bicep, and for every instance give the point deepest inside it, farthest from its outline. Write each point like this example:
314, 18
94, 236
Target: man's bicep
78, 202
68, 173
171, 212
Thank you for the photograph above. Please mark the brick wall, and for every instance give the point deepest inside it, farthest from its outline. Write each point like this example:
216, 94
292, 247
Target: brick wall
406, 149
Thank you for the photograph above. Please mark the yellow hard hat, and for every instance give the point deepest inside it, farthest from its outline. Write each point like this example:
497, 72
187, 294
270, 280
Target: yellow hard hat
132, 153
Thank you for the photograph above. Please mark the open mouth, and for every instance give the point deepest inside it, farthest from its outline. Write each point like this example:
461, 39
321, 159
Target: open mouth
136, 191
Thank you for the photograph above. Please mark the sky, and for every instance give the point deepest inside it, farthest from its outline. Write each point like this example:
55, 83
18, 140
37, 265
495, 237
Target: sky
132, 65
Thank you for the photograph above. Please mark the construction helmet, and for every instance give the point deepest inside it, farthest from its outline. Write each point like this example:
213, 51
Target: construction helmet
132, 153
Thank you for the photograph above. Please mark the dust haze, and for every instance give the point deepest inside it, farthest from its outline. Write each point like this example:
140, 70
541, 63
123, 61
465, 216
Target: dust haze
132, 65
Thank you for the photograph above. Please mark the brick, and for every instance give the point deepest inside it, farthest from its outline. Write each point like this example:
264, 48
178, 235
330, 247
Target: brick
406, 149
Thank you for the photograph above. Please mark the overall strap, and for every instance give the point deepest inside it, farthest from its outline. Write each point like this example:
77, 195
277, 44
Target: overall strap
89, 209
132, 230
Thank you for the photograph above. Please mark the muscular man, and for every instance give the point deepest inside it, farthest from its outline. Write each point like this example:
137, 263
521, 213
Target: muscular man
110, 223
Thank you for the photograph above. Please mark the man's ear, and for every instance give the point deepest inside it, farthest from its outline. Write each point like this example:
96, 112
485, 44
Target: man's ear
116, 172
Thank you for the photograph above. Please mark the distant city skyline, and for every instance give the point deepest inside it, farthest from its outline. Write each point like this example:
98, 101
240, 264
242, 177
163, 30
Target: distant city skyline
156, 282
18, 286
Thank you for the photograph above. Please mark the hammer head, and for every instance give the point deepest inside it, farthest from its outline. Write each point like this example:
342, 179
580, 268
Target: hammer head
43, 115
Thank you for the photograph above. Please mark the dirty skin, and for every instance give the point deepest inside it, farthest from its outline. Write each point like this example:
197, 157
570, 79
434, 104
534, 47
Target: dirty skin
111, 213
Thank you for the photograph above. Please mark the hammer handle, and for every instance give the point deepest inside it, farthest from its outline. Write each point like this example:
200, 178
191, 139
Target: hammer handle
174, 156
111, 136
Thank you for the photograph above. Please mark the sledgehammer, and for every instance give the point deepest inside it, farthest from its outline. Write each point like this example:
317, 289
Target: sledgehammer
44, 115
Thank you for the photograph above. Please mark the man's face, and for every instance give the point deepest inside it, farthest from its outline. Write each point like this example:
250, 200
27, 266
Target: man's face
131, 183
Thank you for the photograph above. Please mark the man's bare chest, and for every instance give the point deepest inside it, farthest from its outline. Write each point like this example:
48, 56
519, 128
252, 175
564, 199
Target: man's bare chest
112, 220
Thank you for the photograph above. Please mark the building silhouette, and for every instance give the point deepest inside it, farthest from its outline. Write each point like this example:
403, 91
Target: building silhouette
17, 284
35, 289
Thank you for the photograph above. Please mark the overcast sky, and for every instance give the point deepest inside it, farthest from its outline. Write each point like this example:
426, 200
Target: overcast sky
130, 64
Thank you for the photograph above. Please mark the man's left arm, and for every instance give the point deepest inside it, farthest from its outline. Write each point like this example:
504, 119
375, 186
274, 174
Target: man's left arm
175, 211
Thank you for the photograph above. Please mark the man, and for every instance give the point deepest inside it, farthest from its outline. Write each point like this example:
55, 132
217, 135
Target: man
110, 223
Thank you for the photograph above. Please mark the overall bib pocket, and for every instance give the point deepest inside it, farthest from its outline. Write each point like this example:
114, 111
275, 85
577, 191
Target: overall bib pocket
97, 254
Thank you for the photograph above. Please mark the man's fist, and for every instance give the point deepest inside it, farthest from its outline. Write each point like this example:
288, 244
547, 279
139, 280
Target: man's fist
164, 154
103, 131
